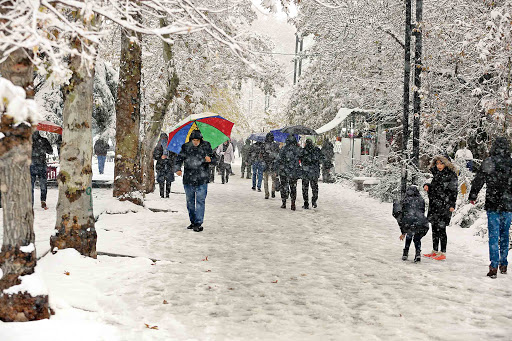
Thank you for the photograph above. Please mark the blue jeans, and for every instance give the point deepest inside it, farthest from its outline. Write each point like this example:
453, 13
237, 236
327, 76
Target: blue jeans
38, 171
257, 171
498, 224
196, 197
101, 163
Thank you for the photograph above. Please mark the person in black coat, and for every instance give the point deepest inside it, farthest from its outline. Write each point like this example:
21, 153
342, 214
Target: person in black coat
246, 159
100, 149
195, 156
40, 147
496, 172
328, 155
164, 166
412, 221
256, 154
288, 168
311, 157
269, 158
442, 196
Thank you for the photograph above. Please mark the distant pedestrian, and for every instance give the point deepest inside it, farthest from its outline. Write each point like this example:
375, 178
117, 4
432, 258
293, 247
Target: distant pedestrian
327, 164
195, 157
311, 157
40, 147
496, 173
101, 149
271, 149
233, 146
442, 196
288, 168
164, 166
465, 156
226, 156
258, 164
412, 221
246, 164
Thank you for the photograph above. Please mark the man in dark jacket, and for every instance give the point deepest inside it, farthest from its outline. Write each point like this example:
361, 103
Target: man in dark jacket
269, 158
258, 165
412, 221
496, 172
164, 166
246, 162
310, 159
328, 153
195, 156
40, 147
101, 149
288, 168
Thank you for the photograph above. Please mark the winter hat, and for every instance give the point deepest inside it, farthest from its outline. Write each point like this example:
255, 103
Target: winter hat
195, 135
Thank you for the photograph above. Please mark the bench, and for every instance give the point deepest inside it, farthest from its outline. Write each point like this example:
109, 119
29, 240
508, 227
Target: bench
364, 182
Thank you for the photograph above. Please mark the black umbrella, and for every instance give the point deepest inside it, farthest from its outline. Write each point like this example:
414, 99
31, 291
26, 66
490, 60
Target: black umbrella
299, 130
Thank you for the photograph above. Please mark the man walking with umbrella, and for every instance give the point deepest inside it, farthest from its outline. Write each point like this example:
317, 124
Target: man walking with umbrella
195, 156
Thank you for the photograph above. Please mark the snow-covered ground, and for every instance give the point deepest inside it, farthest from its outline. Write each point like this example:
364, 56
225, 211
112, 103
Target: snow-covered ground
258, 272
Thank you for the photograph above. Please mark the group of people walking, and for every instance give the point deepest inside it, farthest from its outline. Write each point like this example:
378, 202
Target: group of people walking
285, 166
495, 172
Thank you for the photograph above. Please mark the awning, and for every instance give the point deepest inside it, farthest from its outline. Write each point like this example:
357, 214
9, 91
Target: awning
340, 116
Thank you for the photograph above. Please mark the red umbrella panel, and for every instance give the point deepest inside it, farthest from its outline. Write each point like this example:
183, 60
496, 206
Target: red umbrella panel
49, 127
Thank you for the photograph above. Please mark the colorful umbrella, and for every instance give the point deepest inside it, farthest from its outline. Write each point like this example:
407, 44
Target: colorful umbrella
214, 128
49, 127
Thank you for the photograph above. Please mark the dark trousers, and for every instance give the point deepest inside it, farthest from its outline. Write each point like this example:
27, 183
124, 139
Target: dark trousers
314, 189
211, 169
225, 171
164, 188
38, 171
416, 237
439, 235
246, 167
288, 187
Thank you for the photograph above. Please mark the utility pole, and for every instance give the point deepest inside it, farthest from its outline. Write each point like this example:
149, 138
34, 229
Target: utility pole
300, 58
418, 67
407, 76
295, 61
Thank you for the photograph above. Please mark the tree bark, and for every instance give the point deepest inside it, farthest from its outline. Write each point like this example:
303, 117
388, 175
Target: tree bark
127, 168
406, 99
18, 215
75, 219
418, 67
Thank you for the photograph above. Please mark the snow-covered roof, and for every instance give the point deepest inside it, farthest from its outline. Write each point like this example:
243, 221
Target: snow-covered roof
340, 116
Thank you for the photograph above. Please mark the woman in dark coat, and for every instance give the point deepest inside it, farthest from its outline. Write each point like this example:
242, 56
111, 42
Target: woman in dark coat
311, 158
164, 166
288, 168
442, 196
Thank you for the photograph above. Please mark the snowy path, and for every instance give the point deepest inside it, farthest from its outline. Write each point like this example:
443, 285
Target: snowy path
333, 273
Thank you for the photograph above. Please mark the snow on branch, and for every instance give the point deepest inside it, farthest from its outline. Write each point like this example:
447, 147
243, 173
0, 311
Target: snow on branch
13, 103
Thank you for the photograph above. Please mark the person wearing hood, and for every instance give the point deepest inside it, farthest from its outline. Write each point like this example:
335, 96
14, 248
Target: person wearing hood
269, 158
195, 157
442, 196
288, 168
496, 173
164, 166
246, 162
40, 147
310, 158
412, 221
226, 156
328, 155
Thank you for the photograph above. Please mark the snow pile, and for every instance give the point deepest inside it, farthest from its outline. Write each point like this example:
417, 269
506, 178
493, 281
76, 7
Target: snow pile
33, 284
28, 249
13, 103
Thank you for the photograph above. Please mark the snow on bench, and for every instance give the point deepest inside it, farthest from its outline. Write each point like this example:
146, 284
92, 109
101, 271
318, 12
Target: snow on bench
363, 182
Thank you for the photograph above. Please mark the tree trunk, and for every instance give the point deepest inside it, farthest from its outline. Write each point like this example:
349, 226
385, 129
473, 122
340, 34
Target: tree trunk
127, 170
406, 99
18, 215
159, 112
418, 67
75, 219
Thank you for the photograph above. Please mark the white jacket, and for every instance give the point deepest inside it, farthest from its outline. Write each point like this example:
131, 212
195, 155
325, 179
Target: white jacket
229, 154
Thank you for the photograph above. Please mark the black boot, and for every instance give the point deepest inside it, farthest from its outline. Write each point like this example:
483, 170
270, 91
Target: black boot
284, 204
292, 207
273, 194
493, 272
314, 204
306, 205
405, 255
417, 256
161, 190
